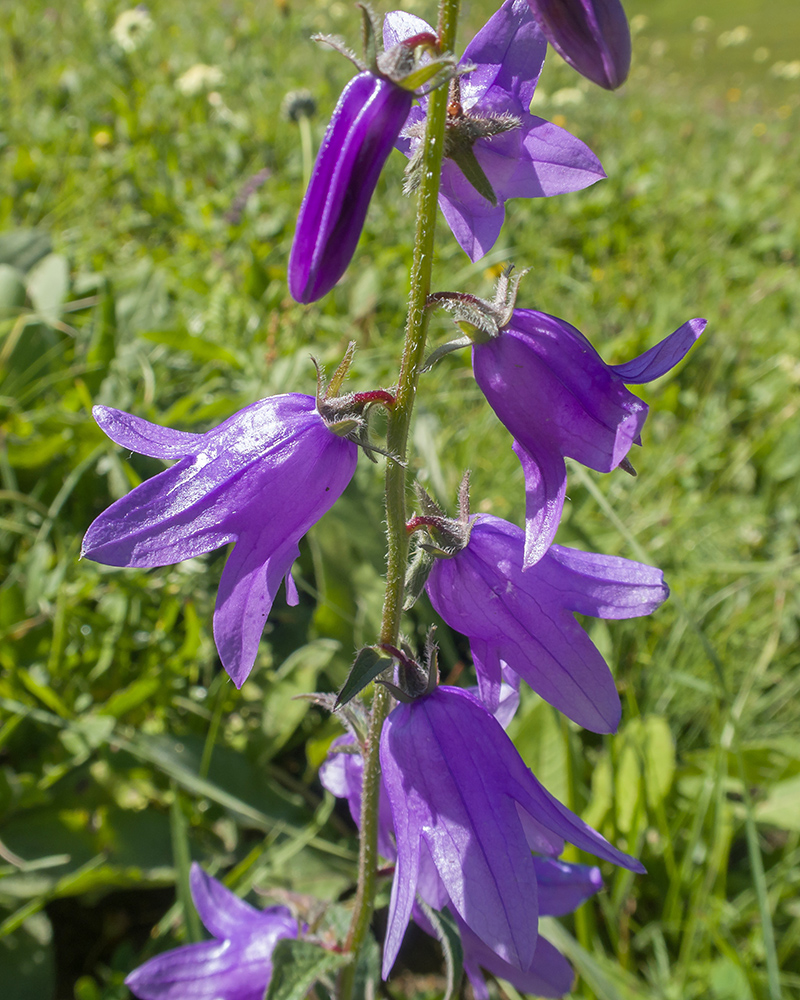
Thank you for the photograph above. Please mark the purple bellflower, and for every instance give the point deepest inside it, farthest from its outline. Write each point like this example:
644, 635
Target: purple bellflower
591, 35
558, 398
261, 479
561, 887
494, 148
361, 134
467, 813
236, 965
522, 619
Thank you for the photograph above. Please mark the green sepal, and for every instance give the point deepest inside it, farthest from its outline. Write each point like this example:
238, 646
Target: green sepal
369, 662
464, 155
346, 427
368, 32
452, 345
417, 574
448, 937
444, 65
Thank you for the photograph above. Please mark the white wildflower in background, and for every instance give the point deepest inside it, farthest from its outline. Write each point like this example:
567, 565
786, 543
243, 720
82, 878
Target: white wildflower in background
761, 54
702, 23
786, 70
736, 36
131, 28
566, 96
638, 23
199, 78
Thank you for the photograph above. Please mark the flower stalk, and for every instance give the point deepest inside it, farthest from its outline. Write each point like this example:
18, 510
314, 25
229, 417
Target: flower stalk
399, 423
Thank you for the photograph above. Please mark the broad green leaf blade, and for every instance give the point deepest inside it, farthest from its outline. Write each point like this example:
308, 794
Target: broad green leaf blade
369, 662
297, 965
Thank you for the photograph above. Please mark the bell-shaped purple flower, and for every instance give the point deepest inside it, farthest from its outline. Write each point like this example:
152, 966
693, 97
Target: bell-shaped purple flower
236, 965
365, 124
591, 35
522, 619
558, 398
467, 813
490, 129
261, 479
561, 888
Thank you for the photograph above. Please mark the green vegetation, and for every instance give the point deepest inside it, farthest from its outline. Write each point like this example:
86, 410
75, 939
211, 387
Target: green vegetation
134, 273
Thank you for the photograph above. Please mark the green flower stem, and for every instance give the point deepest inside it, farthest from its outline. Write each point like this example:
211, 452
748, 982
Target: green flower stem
397, 445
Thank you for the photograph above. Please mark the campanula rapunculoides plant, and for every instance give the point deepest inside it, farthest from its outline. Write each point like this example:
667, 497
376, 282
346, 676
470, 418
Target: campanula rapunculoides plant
444, 804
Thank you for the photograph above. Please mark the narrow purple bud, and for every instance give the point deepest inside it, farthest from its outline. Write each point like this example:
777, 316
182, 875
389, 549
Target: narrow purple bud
364, 127
591, 35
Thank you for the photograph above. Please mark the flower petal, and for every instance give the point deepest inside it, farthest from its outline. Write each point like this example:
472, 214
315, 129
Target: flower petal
475, 222
167, 519
545, 491
211, 970
399, 25
603, 586
563, 887
550, 974
508, 52
223, 913
248, 587
143, 437
665, 355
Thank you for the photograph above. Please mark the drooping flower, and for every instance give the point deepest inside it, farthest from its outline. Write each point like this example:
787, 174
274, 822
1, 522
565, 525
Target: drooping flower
558, 398
591, 35
561, 887
467, 812
522, 619
261, 479
365, 124
236, 965
494, 148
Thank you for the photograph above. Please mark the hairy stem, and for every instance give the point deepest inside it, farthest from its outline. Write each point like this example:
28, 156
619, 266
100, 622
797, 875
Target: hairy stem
397, 444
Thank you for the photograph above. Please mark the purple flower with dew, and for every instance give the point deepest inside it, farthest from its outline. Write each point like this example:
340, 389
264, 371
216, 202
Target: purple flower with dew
558, 398
467, 813
261, 479
591, 35
236, 965
522, 619
561, 887
491, 136
365, 124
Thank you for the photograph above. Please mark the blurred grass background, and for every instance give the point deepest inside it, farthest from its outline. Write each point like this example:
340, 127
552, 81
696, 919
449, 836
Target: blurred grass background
145, 221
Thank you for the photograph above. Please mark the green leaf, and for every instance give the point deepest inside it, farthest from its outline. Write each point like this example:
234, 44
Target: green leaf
781, 807
369, 662
659, 759
27, 961
22, 248
12, 290
283, 710
48, 284
198, 347
297, 965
